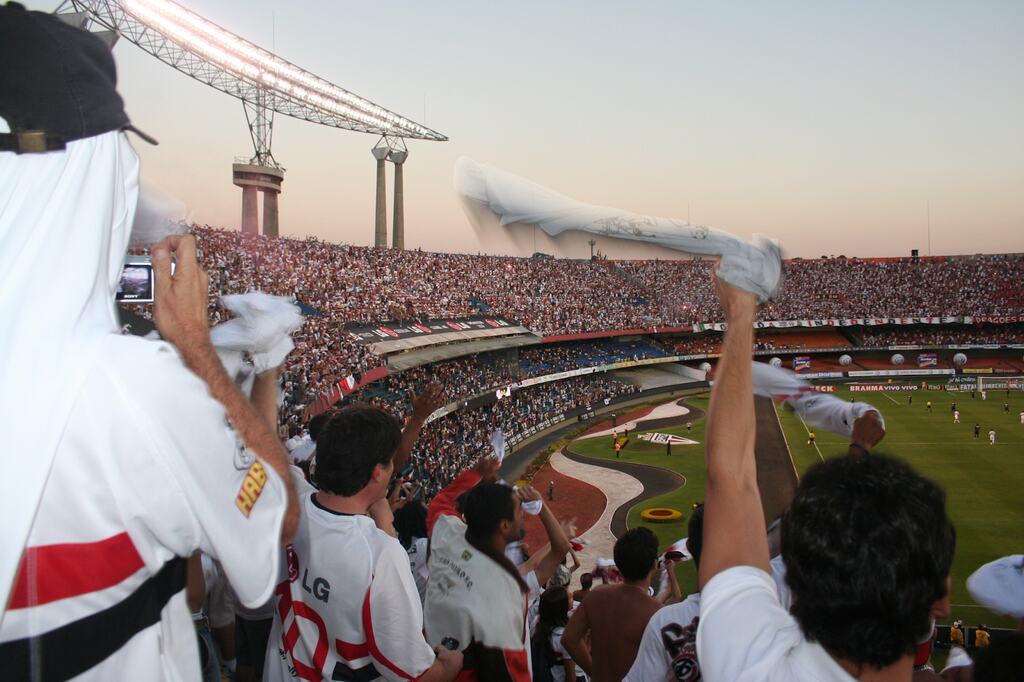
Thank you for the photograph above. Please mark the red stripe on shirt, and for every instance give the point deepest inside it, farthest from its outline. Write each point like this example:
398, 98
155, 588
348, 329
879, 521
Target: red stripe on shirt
375, 652
51, 572
351, 652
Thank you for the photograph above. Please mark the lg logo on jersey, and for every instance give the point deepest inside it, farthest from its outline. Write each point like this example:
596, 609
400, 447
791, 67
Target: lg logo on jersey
321, 588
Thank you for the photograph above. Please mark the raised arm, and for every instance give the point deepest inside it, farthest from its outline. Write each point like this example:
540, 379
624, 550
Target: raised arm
423, 406
180, 303
734, 526
559, 543
264, 395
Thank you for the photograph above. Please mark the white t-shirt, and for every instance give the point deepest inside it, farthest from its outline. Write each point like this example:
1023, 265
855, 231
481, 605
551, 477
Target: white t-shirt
668, 650
474, 600
146, 473
558, 669
347, 605
418, 565
746, 635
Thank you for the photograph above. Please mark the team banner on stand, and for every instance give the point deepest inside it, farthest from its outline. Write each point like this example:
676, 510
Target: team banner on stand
867, 322
391, 331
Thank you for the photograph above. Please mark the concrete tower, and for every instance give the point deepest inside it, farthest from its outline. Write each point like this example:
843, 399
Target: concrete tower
398, 157
380, 223
252, 179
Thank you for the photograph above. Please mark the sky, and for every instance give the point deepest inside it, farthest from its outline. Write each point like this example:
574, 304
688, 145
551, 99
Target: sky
835, 127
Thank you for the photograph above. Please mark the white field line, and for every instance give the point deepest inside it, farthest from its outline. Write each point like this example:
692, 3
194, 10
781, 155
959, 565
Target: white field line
785, 440
809, 433
891, 398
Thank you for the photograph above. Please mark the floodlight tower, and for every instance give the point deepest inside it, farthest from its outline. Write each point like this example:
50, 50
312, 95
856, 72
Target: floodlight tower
261, 173
397, 156
265, 83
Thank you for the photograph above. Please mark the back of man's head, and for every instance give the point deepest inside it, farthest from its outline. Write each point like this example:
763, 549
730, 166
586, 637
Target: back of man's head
695, 540
635, 553
586, 581
868, 549
351, 443
317, 423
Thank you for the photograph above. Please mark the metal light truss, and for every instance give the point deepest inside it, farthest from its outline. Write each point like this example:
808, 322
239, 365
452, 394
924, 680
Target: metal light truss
239, 68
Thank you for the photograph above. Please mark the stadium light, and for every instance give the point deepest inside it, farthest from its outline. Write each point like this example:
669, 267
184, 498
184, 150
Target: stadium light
246, 60
218, 57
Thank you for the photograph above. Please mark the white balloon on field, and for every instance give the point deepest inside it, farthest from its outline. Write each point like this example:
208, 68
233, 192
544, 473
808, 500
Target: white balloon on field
845, 360
775, 362
959, 359
897, 359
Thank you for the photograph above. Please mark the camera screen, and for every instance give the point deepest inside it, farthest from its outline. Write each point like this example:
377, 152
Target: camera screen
136, 285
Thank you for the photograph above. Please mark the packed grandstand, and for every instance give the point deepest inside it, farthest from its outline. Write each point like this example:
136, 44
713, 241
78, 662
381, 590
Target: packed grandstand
629, 311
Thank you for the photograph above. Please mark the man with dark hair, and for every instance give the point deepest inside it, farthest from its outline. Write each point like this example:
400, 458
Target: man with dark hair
866, 542
668, 650
615, 616
586, 582
347, 575
476, 598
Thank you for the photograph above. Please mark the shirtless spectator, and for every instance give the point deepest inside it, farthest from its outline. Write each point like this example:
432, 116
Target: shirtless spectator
586, 582
613, 617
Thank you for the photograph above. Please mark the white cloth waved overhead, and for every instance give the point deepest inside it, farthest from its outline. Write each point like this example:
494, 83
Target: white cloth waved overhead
498, 445
754, 267
263, 328
820, 410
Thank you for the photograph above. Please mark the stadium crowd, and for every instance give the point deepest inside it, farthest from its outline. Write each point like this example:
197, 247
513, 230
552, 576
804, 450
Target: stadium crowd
556, 296
925, 336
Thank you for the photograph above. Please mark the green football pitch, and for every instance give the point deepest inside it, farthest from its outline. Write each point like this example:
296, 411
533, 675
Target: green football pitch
984, 483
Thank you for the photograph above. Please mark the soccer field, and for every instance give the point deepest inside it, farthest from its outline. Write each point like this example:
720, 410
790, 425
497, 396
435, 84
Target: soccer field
983, 483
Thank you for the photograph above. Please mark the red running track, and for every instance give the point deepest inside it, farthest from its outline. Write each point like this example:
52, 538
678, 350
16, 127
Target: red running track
573, 497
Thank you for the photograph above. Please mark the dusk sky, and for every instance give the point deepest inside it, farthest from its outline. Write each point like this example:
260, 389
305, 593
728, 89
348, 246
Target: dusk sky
830, 126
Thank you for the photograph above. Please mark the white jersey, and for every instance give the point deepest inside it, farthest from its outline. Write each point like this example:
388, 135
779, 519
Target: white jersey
668, 650
418, 565
474, 600
348, 606
741, 604
146, 473
991, 436
956, 416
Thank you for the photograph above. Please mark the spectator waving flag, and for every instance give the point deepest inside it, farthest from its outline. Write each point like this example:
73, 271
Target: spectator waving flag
801, 362
928, 360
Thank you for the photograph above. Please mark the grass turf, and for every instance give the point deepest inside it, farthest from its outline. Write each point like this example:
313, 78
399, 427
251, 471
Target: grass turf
982, 482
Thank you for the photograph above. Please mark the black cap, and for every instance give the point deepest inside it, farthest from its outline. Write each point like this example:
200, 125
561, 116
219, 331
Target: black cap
58, 83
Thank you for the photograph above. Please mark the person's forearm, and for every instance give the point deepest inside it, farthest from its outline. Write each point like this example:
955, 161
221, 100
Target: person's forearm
437, 673
264, 395
578, 650
675, 593
256, 433
731, 424
409, 435
556, 534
